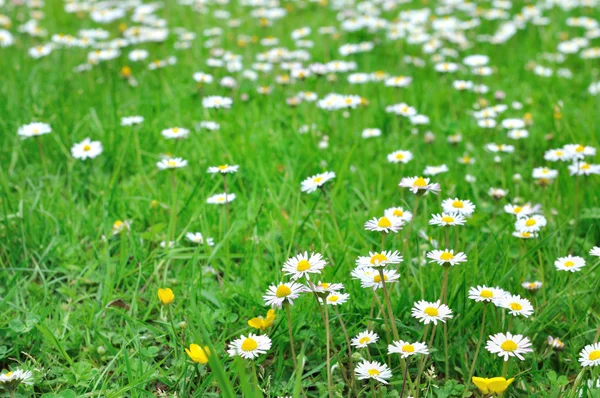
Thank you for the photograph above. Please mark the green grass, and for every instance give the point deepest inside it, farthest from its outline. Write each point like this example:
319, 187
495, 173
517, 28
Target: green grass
61, 269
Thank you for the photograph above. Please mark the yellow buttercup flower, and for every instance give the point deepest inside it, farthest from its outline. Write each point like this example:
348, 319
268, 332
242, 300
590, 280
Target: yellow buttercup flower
166, 296
198, 354
495, 385
263, 323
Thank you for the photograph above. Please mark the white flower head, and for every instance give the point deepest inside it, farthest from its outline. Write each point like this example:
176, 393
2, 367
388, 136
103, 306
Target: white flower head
427, 312
406, 349
590, 355
312, 183
303, 265
508, 345
86, 149
446, 257
373, 370
249, 347
569, 263
276, 296
365, 338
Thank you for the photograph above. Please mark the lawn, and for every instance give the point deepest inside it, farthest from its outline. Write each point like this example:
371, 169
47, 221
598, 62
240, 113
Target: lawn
410, 186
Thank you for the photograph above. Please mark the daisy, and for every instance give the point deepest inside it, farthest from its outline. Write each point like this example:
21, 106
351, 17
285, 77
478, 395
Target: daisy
120, 226
216, 102
86, 149
576, 151
221, 198
363, 339
369, 133
400, 157
569, 263
175, 132
434, 170
370, 278
487, 294
445, 219
398, 213
444, 257
324, 287
379, 259
427, 312
303, 265
249, 347
197, 237
276, 296
463, 207
554, 155
171, 163
131, 120
373, 370
544, 172
336, 298
11, 380
555, 343
497, 193
312, 183
384, 224
508, 345
516, 305
223, 169
590, 355
524, 235
595, 251
583, 168
406, 349
530, 223
517, 210
419, 185
33, 130
532, 286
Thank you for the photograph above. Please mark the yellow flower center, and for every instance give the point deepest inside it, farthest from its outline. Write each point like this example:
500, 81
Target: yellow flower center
303, 265
580, 148
466, 159
398, 213
408, 348
518, 209
384, 222
87, 148
526, 234
431, 311
458, 204
509, 345
447, 256
420, 182
364, 340
594, 355
377, 278
569, 264
447, 219
374, 372
318, 179
283, 291
9, 374
515, 306
175, 129
378, 259
530, 222
485, 293
584, 166
324, 285
399, 156
249, 345
559, 153
532, 285
222, 167
333, 299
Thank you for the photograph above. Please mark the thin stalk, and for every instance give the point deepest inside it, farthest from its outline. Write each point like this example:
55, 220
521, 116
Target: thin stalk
328, 336
412, 220
388, 304
289, 321
173, 215
351, 371
404, 378
42, 154
576, 207
481, 331
330, 207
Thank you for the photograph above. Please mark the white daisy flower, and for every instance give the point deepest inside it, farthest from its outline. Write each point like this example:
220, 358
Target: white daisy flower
400, 157
284, 292
419, 185
516, 305
497, 193
370, 278
590, 355
198, 238
435, 170
171, 163
524, 235
216, 102
304, 265
131, 120
223, 169
532, 286
369, 133
323, 287
11, 380
312, 183
576, 151
249, 347
531, 223
86, 149
519, 211
583, 169
508, 345
463, 207
484, 293
569, 263
595, 251
175, 132
445, 219
121, 226
384, 224
379, 259
406, 349
221, 198
33, 130
427, 312
398, 213
373, 370
336, 298
443, 257
363, 339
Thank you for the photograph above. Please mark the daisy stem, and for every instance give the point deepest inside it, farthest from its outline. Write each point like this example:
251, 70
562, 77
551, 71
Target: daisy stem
576, 207
388, 304
444, 292
481, 331
505, 368
227, 224
289, 321
446, 356
138, 149
327, 332
421, 362
447, 238
407, 236
404, 377
335, 224
12, 393
173, 218
42, 154
351, 371
175, 339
